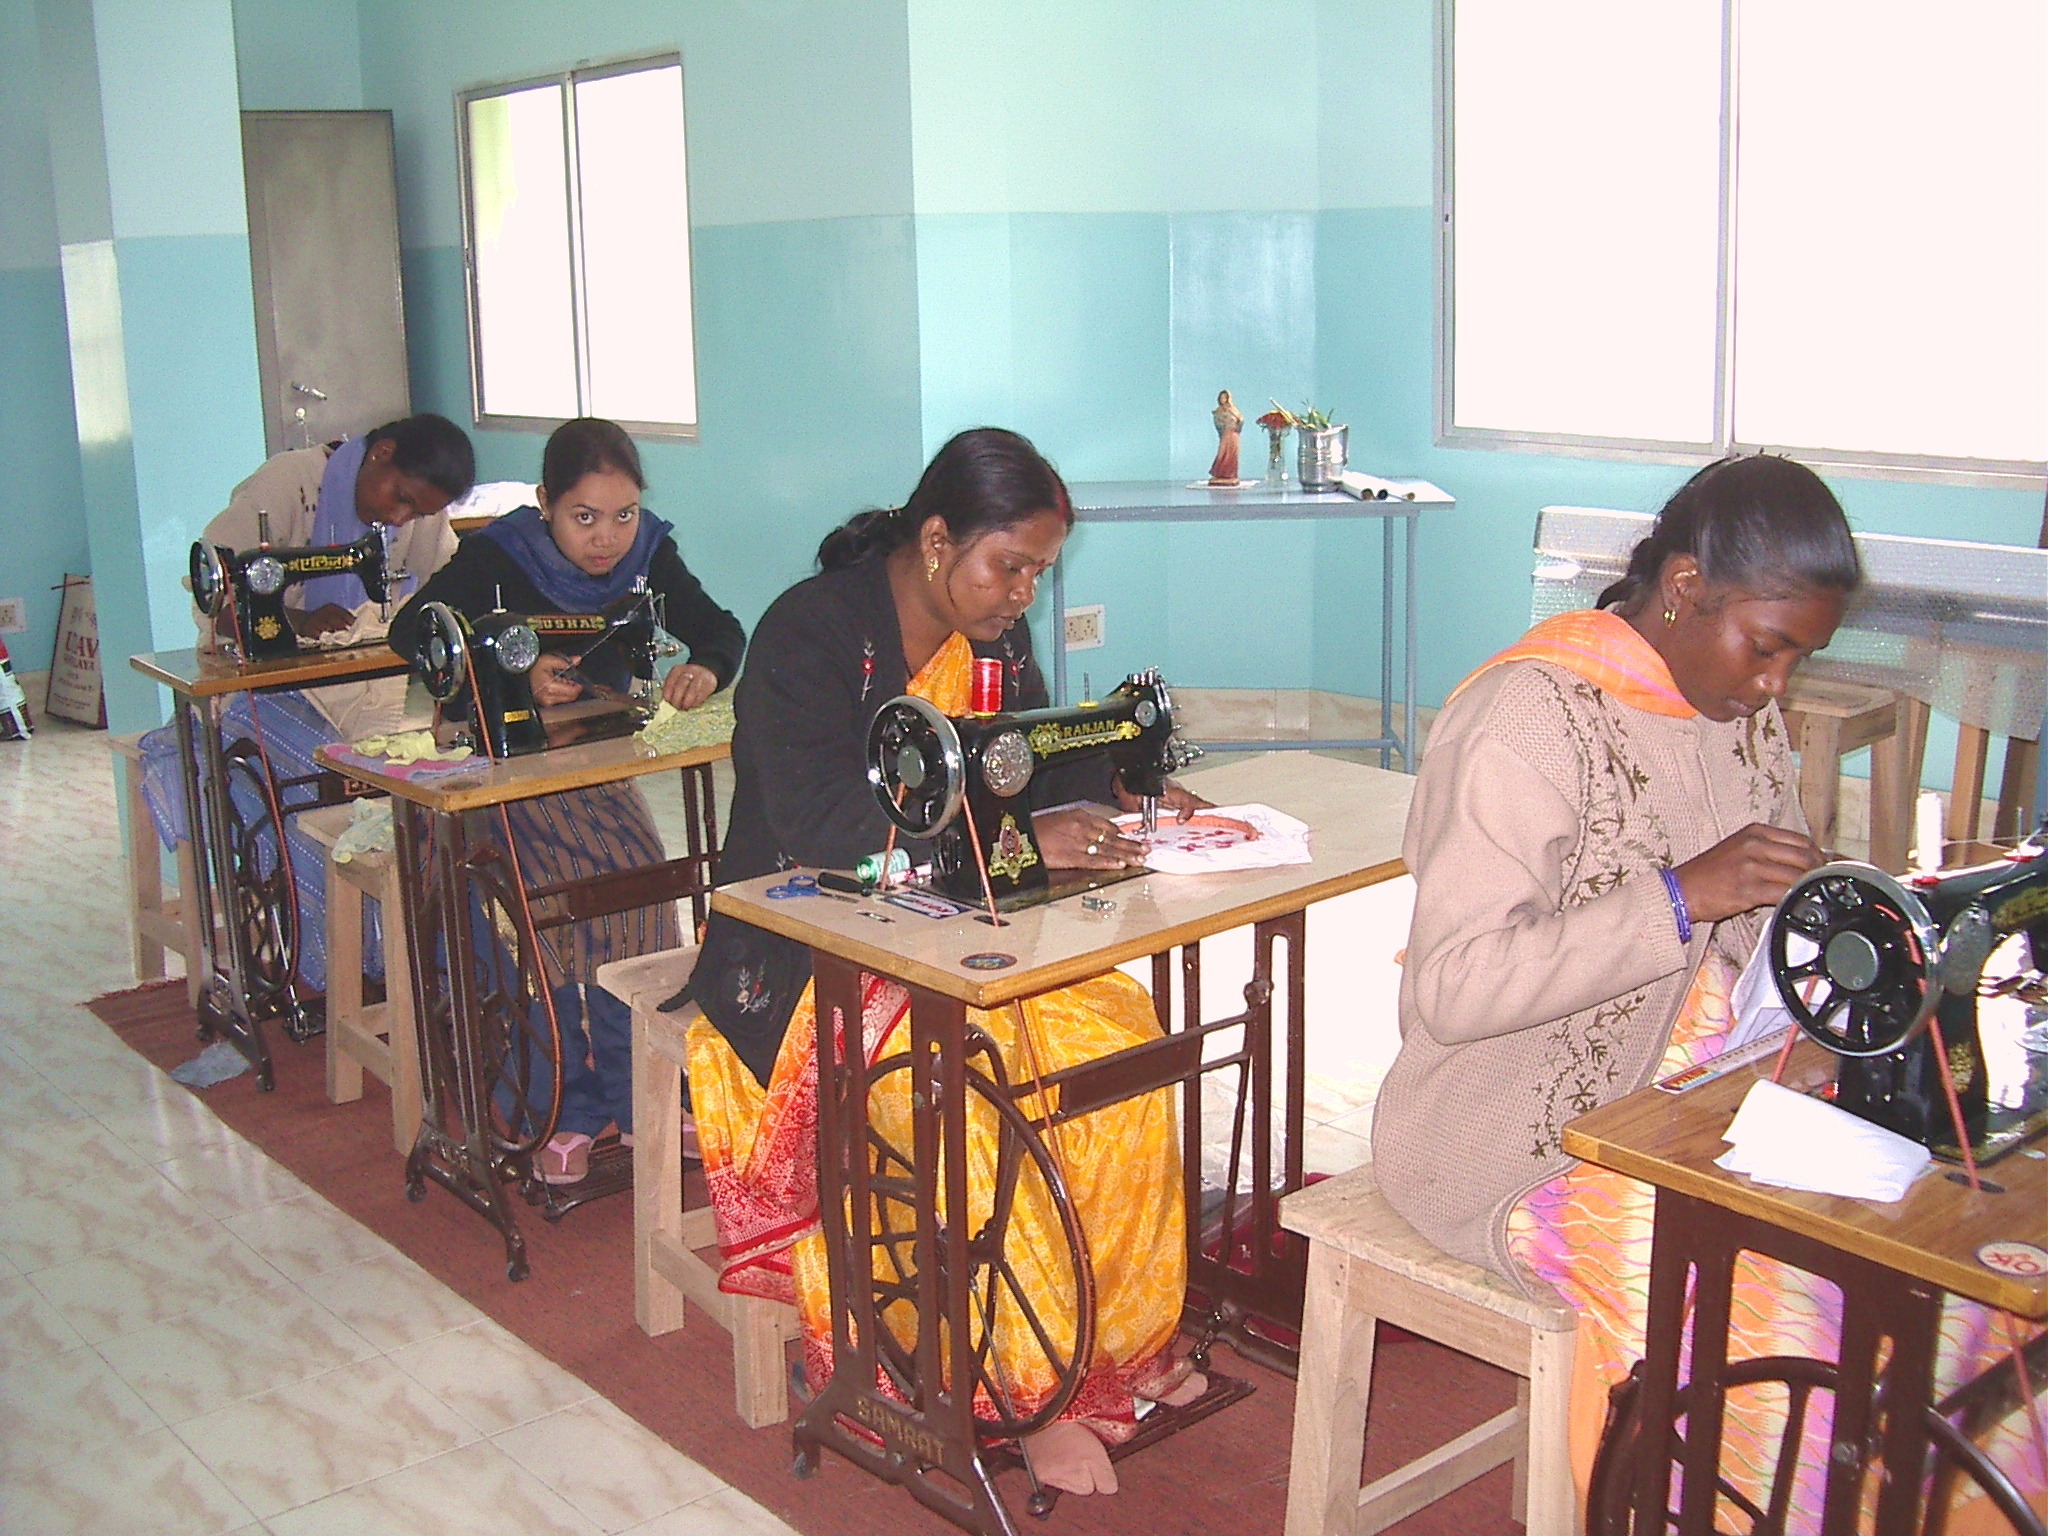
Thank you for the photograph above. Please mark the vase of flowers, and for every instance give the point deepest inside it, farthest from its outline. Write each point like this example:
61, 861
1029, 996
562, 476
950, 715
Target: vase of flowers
1277, 422
1323, 450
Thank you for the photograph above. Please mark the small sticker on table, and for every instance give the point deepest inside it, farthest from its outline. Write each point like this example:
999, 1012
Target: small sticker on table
2021, 1260
996, 960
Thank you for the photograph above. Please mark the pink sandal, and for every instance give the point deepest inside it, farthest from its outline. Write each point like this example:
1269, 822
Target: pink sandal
565, 1159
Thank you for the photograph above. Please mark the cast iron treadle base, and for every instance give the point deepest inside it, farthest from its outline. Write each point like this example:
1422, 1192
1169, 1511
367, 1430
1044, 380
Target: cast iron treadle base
1157, 1425
611, 1173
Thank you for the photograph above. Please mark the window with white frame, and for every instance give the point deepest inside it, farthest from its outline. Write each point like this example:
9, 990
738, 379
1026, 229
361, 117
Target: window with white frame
1811, 225
576, 224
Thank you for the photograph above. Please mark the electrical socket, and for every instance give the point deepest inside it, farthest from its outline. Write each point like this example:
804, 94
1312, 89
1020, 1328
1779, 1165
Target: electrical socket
1084, 627
13, 616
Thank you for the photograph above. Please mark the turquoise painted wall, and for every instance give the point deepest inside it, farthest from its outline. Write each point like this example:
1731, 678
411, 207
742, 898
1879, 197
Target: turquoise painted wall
141, 103
803, 253
298, 55
42, 519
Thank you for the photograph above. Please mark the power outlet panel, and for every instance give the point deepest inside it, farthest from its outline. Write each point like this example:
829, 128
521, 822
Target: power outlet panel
1084, 627
13, 616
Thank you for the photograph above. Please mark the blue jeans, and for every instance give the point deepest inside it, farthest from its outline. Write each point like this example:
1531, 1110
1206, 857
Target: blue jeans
597, 1061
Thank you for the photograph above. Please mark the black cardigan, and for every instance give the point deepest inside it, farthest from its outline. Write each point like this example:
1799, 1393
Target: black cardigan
482, 576
826, 656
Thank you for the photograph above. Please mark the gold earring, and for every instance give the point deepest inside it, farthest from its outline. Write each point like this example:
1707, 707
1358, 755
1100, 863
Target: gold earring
1670, 615
931, 566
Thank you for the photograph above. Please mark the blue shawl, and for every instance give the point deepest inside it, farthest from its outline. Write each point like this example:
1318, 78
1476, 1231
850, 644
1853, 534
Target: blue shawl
525, 537
335, 522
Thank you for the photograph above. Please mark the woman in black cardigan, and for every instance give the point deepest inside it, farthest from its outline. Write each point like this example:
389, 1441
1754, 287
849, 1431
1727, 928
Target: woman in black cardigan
583, 547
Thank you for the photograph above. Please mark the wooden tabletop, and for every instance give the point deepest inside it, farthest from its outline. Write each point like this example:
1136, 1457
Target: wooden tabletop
202, 674
1355, 815
526, 778
1933, 1234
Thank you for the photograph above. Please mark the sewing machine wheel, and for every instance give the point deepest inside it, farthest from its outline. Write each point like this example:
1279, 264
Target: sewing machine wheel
260, 890
209, 577
1011, 1165
520, 1047
1852, 953
915, 765
442, 658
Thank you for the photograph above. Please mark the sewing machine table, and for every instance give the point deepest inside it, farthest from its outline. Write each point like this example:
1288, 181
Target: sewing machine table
446, 867
1357, 814
1891, 1261
245, 972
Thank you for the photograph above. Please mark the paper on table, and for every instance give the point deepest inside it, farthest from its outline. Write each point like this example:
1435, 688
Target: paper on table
1276, 838
1786, 1139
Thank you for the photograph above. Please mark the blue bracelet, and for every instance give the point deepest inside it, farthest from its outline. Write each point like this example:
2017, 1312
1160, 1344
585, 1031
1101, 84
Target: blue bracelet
1677, 906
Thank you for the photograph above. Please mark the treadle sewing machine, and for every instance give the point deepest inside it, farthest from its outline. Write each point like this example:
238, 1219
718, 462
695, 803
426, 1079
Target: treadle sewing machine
1886, 973
249, 588
918, 1395
481, 670
962, 781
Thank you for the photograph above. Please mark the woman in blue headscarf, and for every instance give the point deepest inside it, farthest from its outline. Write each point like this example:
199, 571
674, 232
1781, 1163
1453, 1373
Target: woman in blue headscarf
584, 546
400, 476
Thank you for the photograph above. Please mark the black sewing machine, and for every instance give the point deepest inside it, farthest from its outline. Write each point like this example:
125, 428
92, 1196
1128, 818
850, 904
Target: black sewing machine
1866, 963
633, 623
256, 580
497, 651
963, 781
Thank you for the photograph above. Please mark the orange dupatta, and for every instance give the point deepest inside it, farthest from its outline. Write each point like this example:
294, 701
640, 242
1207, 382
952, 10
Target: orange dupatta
1606, 651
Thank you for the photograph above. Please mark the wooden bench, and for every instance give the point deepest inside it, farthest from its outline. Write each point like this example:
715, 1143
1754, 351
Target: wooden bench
156, 911
379, 1038
667, 1269
1365, 1263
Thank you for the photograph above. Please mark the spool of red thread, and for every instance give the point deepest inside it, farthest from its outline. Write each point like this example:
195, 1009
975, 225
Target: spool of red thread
987, 696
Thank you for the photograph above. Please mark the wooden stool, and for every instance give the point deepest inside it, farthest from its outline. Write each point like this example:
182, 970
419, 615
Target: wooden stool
1365, 1263
156, 912
666, 1268
378, 1038
1827, 718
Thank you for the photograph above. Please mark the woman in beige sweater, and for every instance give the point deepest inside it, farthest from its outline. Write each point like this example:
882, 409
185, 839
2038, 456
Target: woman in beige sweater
1607, 813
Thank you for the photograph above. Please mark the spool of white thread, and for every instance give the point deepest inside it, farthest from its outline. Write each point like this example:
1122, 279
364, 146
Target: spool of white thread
1927, 832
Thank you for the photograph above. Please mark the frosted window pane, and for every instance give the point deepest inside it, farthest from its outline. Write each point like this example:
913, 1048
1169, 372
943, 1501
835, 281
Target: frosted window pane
1586, 180
519, 198
1893, 228
636, 246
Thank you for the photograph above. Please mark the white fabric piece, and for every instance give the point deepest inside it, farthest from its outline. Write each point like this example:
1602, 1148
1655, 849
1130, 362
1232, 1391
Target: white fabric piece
1280, 840
1791, 1141
1759, 1010
494, 498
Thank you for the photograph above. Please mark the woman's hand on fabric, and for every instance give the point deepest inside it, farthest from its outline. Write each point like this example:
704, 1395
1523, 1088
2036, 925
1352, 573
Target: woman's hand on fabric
324, 620
1750, 869
549, 686
1178, 798
1078, 838
688, 685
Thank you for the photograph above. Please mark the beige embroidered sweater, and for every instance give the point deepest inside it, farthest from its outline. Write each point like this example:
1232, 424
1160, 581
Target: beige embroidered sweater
1544, 970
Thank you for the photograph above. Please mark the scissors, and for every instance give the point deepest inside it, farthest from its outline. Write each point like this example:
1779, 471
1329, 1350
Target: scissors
800, 885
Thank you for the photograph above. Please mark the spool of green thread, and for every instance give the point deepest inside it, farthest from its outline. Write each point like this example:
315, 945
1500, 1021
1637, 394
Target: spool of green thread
870, 872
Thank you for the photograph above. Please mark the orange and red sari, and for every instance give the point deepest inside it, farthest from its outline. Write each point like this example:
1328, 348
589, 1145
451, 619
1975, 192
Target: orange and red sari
1122, 1164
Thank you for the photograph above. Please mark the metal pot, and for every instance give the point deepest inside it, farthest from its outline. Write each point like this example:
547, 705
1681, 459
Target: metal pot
1324, 451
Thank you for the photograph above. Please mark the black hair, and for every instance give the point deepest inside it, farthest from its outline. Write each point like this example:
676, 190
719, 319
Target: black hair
587, 445
983, 480
1766, 524
430, 448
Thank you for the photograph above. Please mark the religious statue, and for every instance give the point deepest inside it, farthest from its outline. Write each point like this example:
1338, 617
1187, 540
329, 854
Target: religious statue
1229, 421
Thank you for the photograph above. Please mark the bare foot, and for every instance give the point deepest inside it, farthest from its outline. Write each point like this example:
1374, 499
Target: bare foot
1067, 1456
1191, 1388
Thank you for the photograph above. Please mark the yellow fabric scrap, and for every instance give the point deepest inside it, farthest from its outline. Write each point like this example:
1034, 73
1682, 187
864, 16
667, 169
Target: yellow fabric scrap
680, 730
408, 747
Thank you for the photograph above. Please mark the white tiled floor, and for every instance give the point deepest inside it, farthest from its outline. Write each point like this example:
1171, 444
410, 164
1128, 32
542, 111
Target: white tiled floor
193, 1341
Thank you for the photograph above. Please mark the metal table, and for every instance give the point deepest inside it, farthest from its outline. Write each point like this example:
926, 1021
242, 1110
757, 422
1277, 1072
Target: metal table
240, 943
1150, 501
928, 1439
